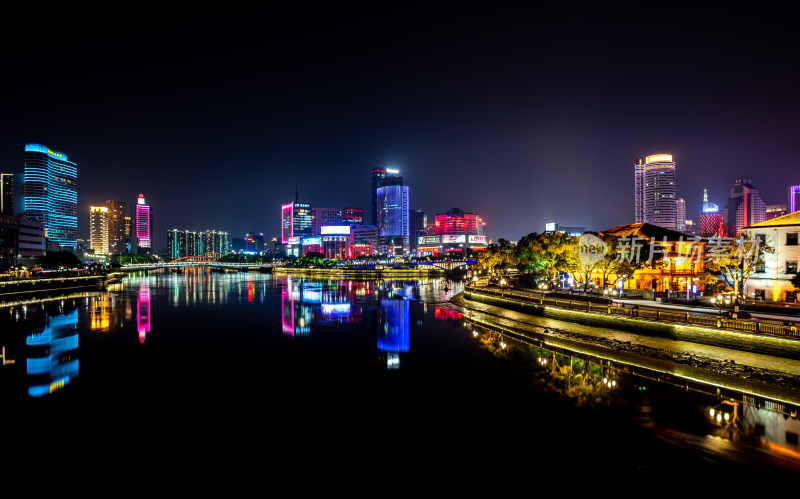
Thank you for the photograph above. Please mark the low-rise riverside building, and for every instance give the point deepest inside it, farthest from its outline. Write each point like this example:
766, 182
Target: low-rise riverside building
679, 259
772, 281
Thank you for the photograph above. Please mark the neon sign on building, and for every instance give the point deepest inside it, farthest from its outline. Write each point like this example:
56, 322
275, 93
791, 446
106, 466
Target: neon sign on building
143, 228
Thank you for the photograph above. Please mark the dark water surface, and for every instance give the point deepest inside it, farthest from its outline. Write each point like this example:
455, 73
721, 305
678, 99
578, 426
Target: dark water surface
233, 379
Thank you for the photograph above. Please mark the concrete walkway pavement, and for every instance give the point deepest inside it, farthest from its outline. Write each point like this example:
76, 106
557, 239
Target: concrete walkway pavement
630, 302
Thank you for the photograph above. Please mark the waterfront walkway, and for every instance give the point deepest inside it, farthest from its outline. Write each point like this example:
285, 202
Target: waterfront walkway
778, 325
704, 363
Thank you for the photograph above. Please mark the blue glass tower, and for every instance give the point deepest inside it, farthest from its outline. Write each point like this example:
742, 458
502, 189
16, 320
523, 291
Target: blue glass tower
51, 194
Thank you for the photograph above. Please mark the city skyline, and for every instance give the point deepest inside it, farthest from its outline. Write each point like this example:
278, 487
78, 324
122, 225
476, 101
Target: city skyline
524, 115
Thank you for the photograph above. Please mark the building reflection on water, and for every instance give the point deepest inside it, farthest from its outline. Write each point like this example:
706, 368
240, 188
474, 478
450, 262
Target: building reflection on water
305, 303
658, 400
143, 311
52, 353
393, 329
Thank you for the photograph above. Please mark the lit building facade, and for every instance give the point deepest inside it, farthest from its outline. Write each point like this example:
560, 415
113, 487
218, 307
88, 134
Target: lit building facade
211, 244
254, 243
680, 215
710, 221
772, 281
745, 207
116, 226
51, 194
364, 240
128, 233
776, 210
393, 220
456, 221
98, 230
144, 226
450, 245
794, 198
417, 223
654, 191
7, 194
352, 216
335, 241
680, 269
297, 221
380, 178
553, 227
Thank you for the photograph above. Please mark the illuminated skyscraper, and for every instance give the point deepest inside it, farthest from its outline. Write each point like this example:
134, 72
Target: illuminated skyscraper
380, 178
680, 215
417, 222
116, 226
654, 191
128, 233
794, 198
744, 208
98, 230
144, 226
393, 221
51, 194
296, 221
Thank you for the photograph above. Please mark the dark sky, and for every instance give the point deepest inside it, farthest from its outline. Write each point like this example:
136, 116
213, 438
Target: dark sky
520, 113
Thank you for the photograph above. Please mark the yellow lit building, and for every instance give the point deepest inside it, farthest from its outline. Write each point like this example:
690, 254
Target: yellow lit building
98, 227
678, 259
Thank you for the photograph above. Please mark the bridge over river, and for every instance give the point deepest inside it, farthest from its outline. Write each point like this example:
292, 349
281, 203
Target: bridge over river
193, 261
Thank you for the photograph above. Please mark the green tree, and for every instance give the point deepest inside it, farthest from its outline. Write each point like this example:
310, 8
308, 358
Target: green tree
498, 256
547, 253
736, 259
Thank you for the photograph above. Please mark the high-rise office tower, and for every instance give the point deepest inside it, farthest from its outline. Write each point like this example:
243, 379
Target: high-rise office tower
393, 220
254, 241
794, 198
144, 226
680, 215
417, 221
381, 177
654, 191
352, 216
324, 217
745, 207
98, 230
128, 233
296, 221
7, 193
116, 226
51, 194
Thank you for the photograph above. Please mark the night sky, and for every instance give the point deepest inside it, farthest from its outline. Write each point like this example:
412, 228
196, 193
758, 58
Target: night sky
525, 115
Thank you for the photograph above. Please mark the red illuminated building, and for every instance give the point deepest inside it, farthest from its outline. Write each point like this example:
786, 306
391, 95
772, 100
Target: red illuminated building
455, 222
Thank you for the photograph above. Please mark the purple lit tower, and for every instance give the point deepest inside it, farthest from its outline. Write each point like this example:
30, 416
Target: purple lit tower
144, 226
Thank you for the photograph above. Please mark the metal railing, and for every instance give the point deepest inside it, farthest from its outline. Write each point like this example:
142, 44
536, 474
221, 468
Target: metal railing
657, 314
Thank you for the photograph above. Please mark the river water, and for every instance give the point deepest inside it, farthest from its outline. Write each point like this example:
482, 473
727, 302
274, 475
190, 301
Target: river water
284, 377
